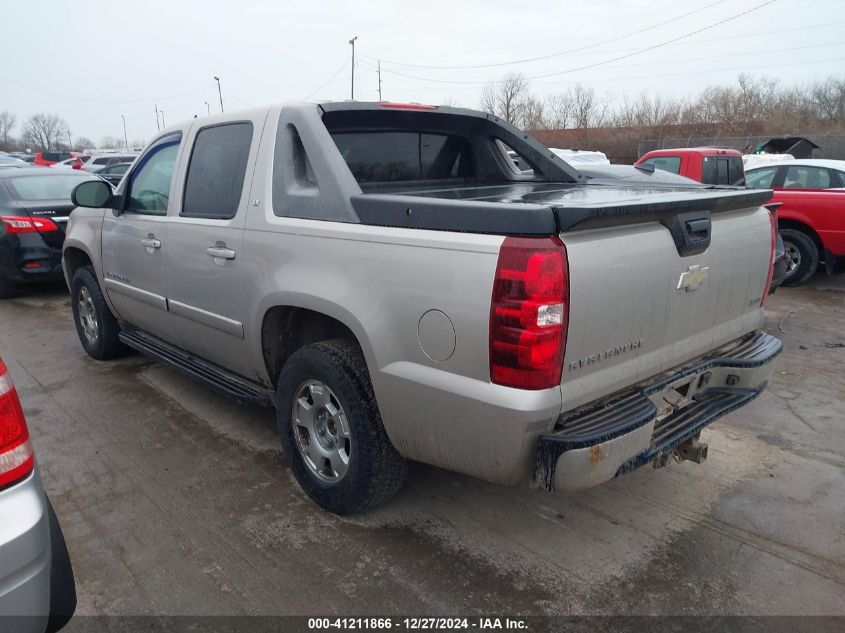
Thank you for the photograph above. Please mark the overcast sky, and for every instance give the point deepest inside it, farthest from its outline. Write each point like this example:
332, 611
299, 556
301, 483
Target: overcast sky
93, 61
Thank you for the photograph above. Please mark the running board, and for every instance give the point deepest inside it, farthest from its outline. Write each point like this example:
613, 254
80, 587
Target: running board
212, 375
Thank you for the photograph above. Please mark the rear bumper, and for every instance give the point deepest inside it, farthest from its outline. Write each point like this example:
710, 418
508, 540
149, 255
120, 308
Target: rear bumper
29, 259
25, 554
600, 441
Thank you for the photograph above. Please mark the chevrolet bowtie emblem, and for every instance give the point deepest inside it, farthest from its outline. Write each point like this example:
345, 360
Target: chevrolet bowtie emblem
693, 277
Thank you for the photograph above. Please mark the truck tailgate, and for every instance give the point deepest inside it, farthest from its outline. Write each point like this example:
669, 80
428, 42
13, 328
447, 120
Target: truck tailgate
638, 307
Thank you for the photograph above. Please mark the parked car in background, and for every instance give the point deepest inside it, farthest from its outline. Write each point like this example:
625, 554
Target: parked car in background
10, 162
27, 158
811, 217
46, 159
96, 162
709, 165
75, 162
713, 166
517, 327
37, 587
34, 208
114, 173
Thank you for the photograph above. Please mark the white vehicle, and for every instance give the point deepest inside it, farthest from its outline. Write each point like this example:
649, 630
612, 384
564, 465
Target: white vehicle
97, 162
755, 160
65, 164
581, 157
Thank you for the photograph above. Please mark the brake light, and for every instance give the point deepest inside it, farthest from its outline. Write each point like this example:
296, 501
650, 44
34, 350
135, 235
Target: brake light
406, 106
16, 224
773, 222
16, 456
529, 313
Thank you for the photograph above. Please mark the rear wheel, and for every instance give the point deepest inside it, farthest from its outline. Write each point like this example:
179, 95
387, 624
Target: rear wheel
331, 429
95, 324
802, 257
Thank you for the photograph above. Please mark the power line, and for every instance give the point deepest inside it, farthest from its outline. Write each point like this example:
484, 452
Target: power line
717, 70
603, 62
330, 79
241, 101
542, 57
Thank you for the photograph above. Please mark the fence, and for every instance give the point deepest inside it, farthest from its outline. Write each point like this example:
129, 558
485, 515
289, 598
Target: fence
830, 145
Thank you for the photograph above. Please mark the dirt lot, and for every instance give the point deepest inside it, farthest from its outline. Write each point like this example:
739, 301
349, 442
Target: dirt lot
175, 501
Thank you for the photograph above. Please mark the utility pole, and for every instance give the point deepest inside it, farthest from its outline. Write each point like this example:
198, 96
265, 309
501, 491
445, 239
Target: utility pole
163, 124
125, 138
352, 42
207, 107
158, 127
69, 140
219, 91
379, 80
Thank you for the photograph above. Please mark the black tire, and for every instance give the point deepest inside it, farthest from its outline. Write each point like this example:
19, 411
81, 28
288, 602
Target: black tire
105, 344
798, 242
376, 472
7, 289
62, 583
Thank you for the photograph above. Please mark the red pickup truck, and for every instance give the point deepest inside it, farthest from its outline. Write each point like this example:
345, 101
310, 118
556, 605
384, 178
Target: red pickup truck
710, 165
811, 217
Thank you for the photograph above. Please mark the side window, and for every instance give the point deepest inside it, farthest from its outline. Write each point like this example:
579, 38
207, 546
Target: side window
760, 178
149, 188
804, 177
216, 172
101, 161
666, 163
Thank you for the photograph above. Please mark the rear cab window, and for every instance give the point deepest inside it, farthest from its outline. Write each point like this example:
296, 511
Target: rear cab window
217, 170
722, 170
403, 156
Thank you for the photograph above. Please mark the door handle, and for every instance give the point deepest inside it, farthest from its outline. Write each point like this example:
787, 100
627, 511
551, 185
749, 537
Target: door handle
151, 242
220, 252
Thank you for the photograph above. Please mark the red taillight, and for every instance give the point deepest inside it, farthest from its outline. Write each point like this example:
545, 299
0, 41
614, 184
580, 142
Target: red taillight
16, 224
16, 457
773, 221
406, 106
529, 313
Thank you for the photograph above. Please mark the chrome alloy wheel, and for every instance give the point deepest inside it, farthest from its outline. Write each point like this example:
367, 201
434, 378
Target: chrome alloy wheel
793, 257
321, 431
87, 315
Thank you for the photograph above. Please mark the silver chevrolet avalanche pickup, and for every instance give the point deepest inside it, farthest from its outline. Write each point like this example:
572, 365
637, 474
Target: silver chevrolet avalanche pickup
388, 278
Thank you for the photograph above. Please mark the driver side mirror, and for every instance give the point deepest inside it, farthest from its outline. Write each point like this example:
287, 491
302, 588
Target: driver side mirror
94, 194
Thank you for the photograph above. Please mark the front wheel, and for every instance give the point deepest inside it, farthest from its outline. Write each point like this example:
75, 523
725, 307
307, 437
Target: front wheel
95, 324
802, 257
332, 432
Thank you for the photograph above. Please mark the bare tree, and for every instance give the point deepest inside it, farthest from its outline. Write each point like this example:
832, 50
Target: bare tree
44, 131
83, 143
828, 98
7, 122
507, 98
111, 142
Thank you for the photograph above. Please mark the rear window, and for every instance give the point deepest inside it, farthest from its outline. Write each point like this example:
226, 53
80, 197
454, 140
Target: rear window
46, 187
101, 161
55, 156
666, 163
401, 156
722, 170
216, 172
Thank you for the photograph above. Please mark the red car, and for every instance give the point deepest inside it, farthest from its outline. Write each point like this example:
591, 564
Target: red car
811, 217
45, 159
710, 165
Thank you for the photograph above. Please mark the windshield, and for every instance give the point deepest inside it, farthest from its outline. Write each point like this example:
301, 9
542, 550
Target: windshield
46, 187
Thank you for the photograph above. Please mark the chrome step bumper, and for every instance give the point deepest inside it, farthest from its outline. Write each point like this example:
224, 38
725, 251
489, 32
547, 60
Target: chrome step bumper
603, 440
